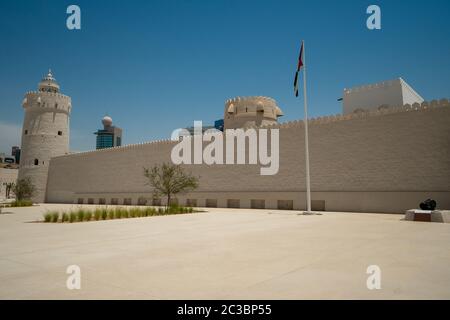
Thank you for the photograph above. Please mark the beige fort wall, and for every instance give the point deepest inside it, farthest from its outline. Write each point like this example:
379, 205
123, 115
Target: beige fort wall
383, 161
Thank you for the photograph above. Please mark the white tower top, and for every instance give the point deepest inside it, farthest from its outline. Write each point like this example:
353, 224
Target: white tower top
48, 83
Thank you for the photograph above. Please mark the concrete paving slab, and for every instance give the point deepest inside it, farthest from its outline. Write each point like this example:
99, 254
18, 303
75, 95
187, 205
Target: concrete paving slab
223, 254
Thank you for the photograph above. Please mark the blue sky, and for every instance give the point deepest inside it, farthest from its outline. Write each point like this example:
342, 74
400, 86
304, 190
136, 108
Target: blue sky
154, 66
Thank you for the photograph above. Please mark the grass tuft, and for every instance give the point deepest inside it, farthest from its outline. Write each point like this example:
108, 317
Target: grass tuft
80, 215
97, 214
55, 217
118, 213
47, 217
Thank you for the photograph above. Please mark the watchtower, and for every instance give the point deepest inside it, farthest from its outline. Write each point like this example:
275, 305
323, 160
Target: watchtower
45, 132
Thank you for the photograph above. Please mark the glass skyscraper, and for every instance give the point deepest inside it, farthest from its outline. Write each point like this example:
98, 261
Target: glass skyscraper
108, 137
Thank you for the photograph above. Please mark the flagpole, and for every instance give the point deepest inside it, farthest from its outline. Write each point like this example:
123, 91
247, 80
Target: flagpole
308, 185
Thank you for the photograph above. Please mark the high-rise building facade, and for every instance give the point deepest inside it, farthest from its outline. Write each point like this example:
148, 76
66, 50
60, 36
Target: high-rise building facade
15, 152
108, 137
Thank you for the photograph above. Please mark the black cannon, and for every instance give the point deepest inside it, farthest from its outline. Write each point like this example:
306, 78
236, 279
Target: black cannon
428, 204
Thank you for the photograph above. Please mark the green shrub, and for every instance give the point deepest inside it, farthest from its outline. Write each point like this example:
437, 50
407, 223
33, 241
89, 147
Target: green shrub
80, 215
24, 189
88, 216
110, 214
190, 210
97, 214
21, 203
161, 210
104, 214
64, 217
117, 213
47, 217
55, 216
72, 217
170, 209
135, 212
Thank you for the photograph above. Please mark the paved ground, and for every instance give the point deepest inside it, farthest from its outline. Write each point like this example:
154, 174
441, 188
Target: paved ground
224, 254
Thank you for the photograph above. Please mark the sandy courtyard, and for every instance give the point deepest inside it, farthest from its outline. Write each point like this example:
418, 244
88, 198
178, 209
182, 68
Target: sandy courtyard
224, 254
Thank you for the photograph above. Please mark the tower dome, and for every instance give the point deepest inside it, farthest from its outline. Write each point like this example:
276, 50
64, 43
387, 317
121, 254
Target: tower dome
107, 121
48, 83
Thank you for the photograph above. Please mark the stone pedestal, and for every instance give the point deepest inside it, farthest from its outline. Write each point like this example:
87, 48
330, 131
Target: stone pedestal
428, 215
440, 216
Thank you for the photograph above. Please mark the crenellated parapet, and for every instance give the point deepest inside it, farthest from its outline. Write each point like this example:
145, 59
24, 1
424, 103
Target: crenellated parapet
51, 101
250, 99
50, 94
384, 84
128, 147
416, 107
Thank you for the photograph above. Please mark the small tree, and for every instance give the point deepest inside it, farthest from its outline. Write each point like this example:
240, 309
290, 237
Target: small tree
9, 187
169, 180
24, 189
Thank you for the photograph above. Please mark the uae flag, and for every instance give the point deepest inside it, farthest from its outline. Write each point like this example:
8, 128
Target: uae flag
299, 66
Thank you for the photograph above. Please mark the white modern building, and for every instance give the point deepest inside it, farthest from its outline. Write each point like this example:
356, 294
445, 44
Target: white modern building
381, 95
